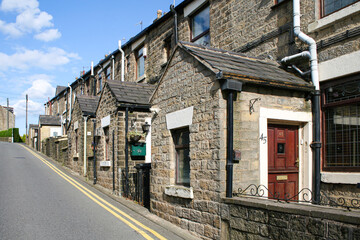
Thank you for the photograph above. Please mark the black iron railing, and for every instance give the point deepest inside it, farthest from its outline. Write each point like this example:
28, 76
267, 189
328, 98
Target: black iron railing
305, 195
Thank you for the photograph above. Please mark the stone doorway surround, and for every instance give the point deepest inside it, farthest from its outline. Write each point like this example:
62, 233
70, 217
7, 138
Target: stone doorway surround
301, 119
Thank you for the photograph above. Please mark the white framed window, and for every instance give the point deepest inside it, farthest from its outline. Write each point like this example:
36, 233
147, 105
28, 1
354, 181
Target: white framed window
182, 150
200, 26
140, 62
330, 6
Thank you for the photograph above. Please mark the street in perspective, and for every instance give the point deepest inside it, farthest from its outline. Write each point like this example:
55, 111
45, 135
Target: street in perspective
39, 200
188, 119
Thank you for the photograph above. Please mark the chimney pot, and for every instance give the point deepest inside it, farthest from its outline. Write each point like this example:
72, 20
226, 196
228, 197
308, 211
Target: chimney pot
159, 14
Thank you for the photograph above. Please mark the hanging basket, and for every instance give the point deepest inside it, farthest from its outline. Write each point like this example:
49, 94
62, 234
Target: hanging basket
134, 138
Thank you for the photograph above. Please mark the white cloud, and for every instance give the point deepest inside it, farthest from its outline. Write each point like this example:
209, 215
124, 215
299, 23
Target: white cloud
33, 20
48, 35
40, 89
18, 5
30, 19
34, 108
24, 59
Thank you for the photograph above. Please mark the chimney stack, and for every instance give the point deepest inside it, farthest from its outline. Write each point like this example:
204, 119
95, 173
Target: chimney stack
159, 14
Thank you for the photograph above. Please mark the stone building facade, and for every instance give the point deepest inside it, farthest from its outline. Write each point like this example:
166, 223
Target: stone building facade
190, 99
4, 114
265, 109
80, 156
120, 106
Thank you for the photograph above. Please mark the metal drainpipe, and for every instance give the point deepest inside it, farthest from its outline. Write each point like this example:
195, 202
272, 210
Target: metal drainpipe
231, 87
312, 54
230, 141
122, 62
113, 67
113, 157
94, 151
85, 129
172, 8
70, 102
126, 153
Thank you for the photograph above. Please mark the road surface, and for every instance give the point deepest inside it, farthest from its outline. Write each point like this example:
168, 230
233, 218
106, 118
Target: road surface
40, 201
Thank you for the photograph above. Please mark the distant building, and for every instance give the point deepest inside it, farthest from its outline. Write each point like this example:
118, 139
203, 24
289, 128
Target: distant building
4, 114
49, 126
33, 136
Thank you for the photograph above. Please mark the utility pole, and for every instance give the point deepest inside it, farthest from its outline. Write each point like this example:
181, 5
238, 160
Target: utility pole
26, 117
7, 113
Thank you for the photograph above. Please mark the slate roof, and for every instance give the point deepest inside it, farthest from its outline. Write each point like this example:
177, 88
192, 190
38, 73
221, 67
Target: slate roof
33, 126
59, 89
49, 120
240, 67
131, 92
88, 104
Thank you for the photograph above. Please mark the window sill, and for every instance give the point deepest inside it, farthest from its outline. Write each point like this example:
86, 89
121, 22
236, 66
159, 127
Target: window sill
180, 192
140, 79
334, 17
340, 178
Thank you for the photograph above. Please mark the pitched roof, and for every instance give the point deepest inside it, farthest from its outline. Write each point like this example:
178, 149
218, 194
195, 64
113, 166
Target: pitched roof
88, 104
59, 89
240, 67
49, 120
131, 92
33, 126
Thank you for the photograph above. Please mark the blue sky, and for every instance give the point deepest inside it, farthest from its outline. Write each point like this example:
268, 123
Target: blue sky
47, 43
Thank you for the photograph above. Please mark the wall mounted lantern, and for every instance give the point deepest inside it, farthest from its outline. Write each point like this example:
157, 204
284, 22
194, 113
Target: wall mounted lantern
146, 127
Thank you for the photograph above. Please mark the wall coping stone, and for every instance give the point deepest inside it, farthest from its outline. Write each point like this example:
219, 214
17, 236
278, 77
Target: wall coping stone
304, 209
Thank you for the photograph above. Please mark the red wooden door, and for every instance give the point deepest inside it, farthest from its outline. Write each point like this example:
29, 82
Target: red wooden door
283, 163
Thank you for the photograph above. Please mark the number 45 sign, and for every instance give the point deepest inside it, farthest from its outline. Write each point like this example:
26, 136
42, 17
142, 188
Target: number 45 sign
263, 138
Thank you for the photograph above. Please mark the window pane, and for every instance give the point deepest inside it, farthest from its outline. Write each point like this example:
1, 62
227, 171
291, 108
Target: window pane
183, 167
204, 40
200, 22
331, 6
140, 63
342, 126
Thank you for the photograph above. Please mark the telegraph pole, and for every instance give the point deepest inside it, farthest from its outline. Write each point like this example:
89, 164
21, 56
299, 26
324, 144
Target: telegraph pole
7, 113
26, 117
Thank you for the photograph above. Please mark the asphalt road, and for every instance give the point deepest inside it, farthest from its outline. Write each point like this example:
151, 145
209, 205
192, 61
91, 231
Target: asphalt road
38, 201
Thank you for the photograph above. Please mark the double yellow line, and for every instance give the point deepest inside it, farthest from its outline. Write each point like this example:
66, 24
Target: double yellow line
134, 224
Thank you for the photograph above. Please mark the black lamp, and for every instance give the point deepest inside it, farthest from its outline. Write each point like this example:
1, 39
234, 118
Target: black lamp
146, 127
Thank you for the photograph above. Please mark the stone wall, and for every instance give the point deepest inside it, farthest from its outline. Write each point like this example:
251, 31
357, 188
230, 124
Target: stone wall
56, 148
188, 84
249, 218
262, 29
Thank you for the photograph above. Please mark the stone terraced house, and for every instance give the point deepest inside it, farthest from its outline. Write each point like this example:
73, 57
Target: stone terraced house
189, 167
123, 108
80, 134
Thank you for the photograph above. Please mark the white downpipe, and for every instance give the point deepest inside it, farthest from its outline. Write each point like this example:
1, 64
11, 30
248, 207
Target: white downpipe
92, 68
302, 54
85, 135
122, 62
308, 40
113, 67
70, 102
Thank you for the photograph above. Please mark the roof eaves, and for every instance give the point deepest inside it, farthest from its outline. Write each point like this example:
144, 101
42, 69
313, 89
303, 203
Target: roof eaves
269, 82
